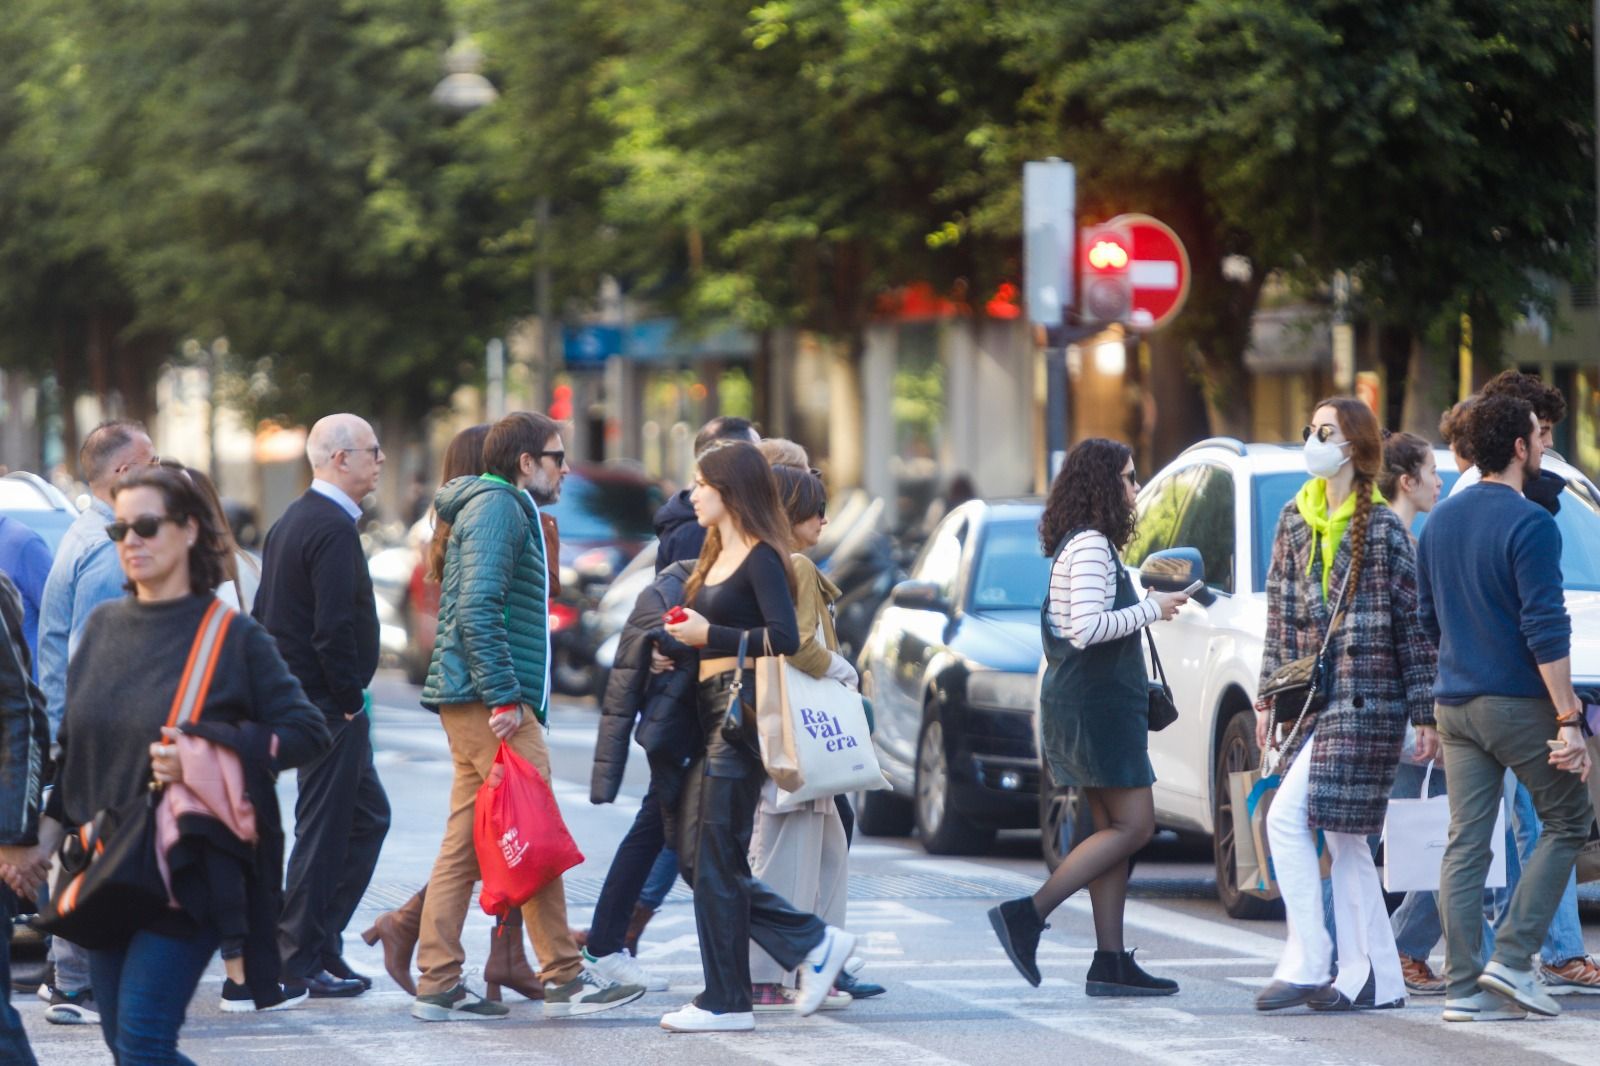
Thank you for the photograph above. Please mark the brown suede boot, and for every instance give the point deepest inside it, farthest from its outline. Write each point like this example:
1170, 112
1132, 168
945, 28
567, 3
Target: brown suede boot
508, 963
398, 930
641, 918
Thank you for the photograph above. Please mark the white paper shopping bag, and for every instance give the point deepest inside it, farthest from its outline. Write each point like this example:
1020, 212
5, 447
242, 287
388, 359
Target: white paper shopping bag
1414, 837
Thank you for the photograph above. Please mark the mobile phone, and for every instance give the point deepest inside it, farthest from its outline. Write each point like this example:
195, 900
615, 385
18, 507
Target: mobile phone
1196, 587
675, 615
1557, 745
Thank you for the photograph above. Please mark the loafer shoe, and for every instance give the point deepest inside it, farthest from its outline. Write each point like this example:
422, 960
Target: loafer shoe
1483, 1007
1519, 986
323, 985
335, 966
856, 987
1280, 995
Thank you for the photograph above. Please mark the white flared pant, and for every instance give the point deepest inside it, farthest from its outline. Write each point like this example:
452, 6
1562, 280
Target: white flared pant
1361, 921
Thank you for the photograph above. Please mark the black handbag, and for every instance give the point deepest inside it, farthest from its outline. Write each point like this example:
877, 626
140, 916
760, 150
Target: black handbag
110, 884
1163, 711
733, 717
1300, 687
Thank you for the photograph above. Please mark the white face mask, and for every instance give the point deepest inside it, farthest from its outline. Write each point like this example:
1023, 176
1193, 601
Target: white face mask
1324, 458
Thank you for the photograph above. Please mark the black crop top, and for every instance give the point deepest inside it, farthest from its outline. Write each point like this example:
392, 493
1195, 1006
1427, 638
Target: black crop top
755, 599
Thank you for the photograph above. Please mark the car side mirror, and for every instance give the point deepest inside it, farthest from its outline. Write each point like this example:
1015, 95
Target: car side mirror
919, 596
1174, 570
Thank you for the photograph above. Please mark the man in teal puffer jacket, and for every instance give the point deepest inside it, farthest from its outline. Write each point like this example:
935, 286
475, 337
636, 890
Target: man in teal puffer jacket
489, 681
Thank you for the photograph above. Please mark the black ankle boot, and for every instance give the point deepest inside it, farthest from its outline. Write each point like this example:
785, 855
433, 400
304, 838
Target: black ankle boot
1018, 926
1114, 973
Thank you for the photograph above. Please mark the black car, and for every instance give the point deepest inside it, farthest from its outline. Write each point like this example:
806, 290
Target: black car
949, 665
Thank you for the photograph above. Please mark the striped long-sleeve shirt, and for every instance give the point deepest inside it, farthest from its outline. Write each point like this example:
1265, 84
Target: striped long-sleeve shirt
1083, 586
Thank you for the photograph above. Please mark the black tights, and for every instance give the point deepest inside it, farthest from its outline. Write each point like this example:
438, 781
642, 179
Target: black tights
1124, 822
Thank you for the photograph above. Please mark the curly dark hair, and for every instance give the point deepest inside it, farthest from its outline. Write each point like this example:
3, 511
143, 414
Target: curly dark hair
1495, 425
1546, 400
1453, 427
184, 502
1089, 494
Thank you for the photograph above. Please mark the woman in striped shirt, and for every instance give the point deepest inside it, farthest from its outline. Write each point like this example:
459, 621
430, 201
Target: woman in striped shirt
1093, 711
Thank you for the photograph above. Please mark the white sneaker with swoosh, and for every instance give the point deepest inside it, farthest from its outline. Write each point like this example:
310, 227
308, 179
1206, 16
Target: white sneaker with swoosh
821, 967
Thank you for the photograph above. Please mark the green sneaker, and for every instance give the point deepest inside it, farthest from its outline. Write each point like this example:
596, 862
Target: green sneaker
587, 993
459, 1004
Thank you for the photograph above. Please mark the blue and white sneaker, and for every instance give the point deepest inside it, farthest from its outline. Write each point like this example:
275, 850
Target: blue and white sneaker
821, 967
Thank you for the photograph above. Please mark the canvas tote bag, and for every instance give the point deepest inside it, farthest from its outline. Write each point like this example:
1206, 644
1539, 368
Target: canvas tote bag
813, 733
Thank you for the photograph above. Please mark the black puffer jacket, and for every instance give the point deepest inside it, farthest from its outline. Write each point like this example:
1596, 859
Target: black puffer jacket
632, 686
680, 533
24, 735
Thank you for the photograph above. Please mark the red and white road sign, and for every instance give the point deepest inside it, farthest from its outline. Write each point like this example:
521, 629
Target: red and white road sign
1159, 271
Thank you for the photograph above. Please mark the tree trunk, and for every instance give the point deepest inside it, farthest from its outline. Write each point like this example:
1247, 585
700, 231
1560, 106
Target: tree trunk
1181, 413
1427, 387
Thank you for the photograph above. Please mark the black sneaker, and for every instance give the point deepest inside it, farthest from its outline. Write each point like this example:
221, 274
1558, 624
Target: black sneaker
1018, 926
72, 1008
236, 999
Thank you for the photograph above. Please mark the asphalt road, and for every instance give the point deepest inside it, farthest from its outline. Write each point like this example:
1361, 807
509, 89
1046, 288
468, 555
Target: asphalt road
953, 1000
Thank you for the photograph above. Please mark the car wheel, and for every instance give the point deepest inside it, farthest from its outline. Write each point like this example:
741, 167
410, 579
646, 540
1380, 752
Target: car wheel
1237, 751
944, 830
880, 813
1064, 818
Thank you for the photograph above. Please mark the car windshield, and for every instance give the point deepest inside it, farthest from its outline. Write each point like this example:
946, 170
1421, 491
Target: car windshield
1578, 520
1012, 574
608, 509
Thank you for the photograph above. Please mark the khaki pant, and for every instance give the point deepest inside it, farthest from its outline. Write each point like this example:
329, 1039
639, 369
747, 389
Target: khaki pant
455, 872
804, 857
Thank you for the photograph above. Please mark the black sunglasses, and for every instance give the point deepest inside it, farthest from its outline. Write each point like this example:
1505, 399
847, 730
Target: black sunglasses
560, 457
146, 525
1322, 432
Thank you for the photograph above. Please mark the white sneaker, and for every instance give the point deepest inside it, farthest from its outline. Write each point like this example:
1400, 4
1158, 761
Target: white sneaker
1483, 1007
624, 969
1520, 986
691, 1019
853, 964
821, 967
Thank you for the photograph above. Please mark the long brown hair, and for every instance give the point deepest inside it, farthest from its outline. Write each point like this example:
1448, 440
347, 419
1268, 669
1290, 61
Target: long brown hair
1088, 494
1360, 427
801, 494
741, 475
463, 457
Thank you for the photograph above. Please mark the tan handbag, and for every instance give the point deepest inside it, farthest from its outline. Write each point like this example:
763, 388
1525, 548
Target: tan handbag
772, 714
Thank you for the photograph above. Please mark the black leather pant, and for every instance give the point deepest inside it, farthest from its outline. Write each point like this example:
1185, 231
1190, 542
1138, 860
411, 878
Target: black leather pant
717, 814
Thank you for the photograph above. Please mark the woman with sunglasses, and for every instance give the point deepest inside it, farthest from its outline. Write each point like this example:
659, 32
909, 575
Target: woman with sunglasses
1094, 712
742, 599
1343, 577
120, 687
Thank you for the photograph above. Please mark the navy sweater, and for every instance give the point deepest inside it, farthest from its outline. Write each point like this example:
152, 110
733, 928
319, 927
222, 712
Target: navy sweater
1489, 589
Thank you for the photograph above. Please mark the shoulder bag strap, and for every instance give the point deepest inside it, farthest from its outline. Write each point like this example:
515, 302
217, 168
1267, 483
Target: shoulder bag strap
1155, 660
202, 664
735, 714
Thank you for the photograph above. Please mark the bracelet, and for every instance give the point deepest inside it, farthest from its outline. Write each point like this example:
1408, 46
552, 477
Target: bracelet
1565, 720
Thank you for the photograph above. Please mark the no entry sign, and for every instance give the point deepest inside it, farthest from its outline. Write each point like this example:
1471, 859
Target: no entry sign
1159, 271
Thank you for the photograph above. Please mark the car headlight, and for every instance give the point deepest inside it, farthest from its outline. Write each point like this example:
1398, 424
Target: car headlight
1002, 690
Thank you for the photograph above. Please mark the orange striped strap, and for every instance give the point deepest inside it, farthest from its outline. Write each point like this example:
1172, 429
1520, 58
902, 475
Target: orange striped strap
202, 664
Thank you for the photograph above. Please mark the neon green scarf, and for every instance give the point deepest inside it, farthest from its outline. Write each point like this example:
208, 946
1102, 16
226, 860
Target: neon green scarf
1327, 530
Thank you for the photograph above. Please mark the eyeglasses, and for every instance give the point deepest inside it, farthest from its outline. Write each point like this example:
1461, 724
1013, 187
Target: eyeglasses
1131, 477
146, 525
1322, 433
560, 457
375, 449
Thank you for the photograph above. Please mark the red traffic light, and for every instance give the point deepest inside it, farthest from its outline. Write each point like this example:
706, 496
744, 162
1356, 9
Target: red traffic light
1107, 254
561, 403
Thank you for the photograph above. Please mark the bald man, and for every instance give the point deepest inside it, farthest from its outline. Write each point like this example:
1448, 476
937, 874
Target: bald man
316, 599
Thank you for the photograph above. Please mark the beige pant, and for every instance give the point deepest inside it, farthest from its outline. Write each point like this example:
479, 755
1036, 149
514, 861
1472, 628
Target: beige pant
804, 857
455, 872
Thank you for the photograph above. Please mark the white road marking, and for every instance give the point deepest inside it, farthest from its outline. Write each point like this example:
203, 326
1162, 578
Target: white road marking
784, 1040
1565, 1039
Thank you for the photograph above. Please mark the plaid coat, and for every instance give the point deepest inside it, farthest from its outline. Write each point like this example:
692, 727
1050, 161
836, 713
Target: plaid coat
1383, 665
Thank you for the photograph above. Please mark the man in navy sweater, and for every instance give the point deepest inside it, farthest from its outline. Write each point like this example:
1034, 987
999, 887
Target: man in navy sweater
316, 599
1489, 586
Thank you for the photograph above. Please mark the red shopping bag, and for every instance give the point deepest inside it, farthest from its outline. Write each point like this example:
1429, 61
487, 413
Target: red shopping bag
521, 841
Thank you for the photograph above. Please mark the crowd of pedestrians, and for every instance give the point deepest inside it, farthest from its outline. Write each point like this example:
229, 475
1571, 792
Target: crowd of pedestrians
1453, 648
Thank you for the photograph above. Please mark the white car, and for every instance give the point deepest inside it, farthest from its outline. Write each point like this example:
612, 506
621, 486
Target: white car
1222, 498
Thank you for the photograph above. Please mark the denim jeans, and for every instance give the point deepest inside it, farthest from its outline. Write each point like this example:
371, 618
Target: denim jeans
13, 1040
142, 991
663, 875
633, 866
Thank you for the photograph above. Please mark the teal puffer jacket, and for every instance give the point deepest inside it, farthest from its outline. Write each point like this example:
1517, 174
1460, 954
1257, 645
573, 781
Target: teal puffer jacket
492, 645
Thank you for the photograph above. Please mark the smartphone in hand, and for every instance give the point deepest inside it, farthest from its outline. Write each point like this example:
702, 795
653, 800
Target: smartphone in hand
1196, 587
675, 615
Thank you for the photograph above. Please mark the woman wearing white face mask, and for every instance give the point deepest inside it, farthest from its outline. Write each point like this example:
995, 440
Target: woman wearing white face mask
1344, 569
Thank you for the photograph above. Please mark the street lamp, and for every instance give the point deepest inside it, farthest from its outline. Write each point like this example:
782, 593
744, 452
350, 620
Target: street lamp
464, 90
